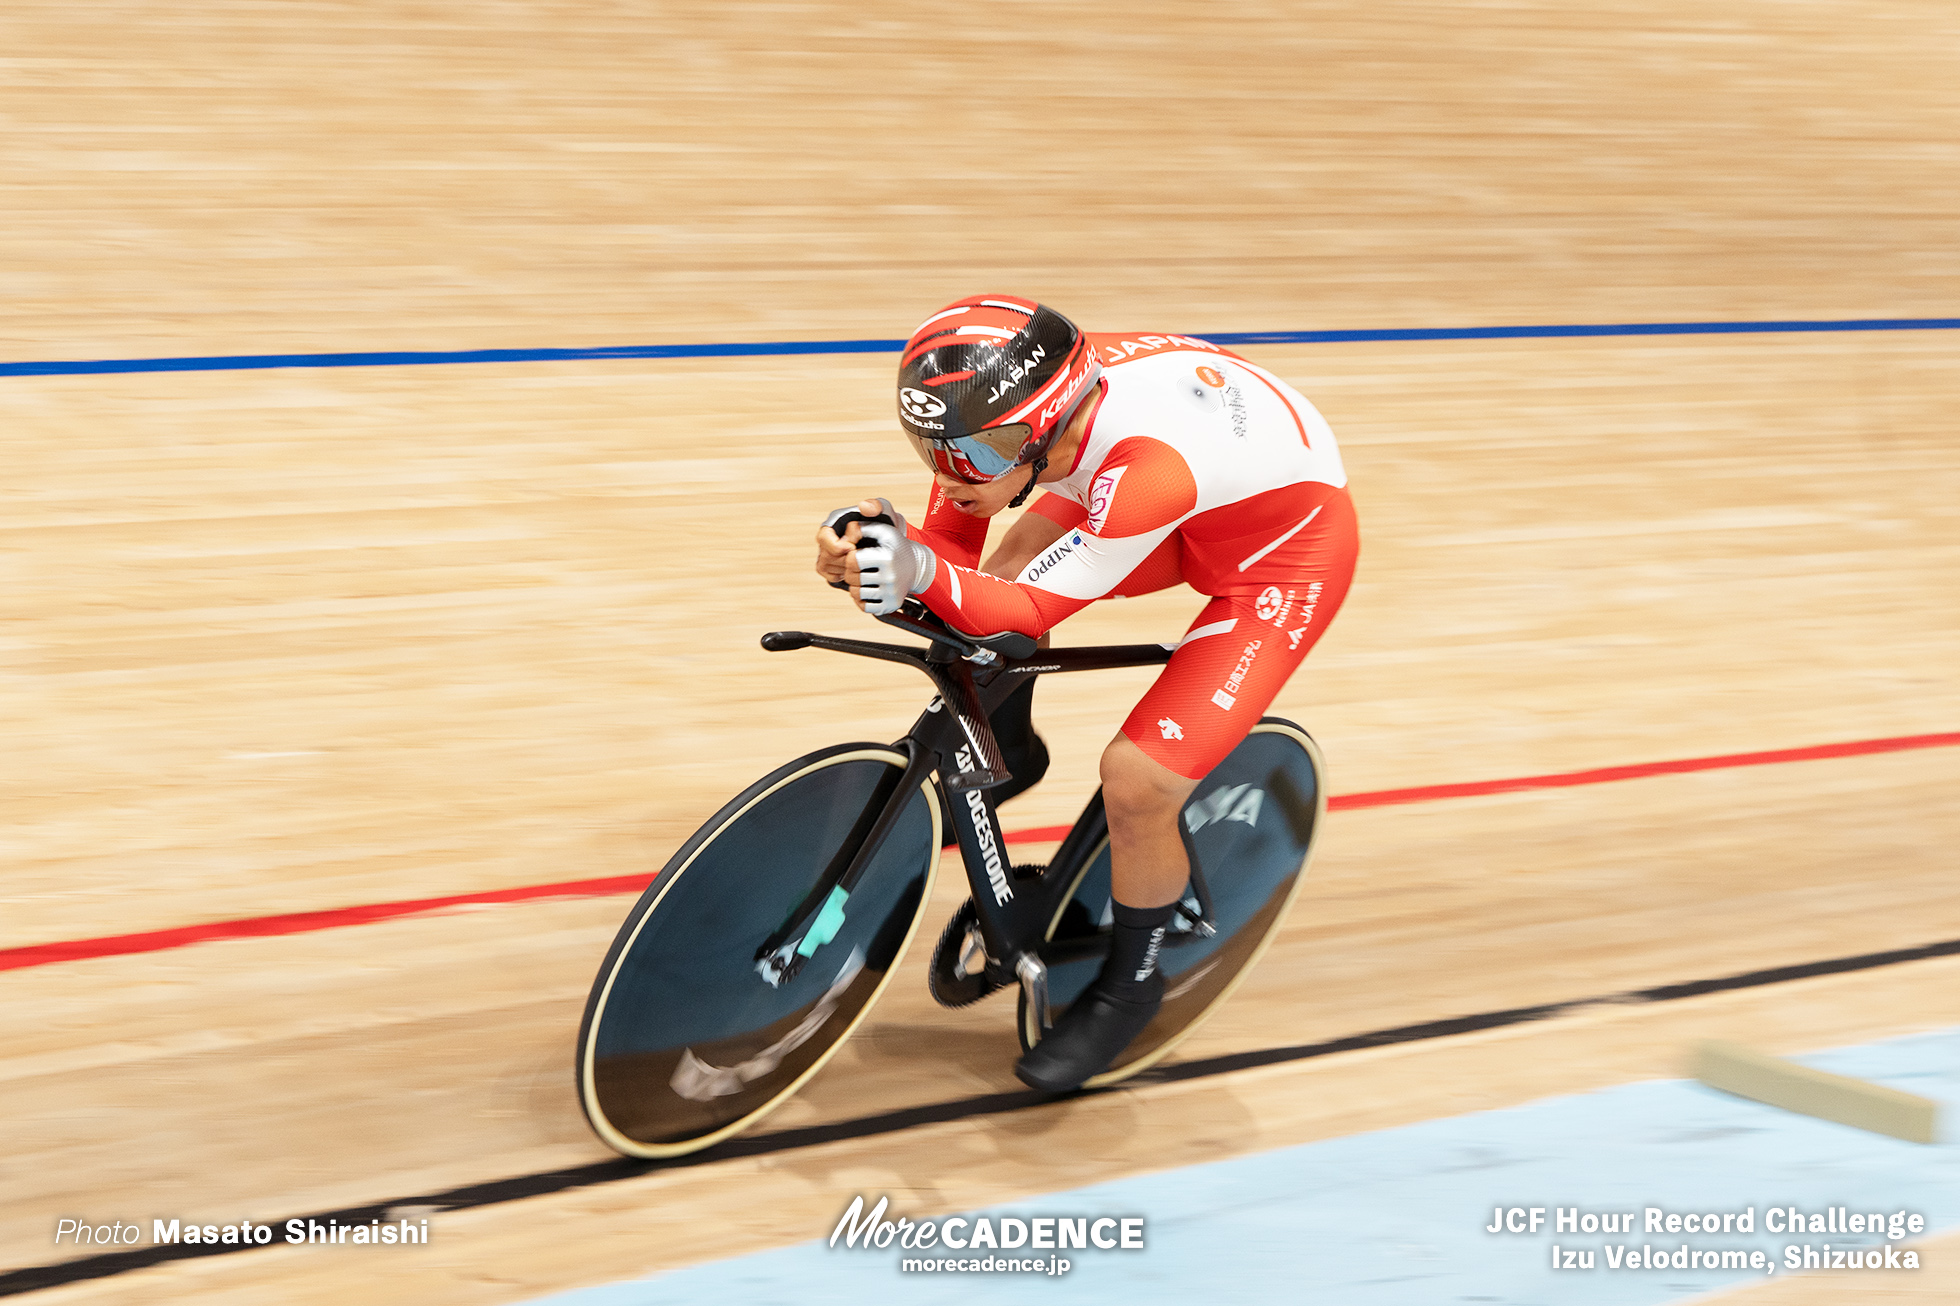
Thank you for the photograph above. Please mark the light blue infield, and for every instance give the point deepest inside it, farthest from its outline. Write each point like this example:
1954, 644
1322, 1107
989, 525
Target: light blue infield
1401, 1217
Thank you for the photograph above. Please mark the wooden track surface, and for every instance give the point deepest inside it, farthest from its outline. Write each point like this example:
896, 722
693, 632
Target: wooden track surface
288, 640
244, 177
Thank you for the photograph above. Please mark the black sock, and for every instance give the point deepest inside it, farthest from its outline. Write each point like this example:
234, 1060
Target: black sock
1135, 937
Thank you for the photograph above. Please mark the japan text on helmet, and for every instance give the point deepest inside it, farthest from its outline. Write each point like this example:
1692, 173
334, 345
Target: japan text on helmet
987, 383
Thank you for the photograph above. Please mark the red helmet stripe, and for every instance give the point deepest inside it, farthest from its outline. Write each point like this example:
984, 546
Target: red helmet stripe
954, 311
949, 377
1025, 308
946, 340
1008, 321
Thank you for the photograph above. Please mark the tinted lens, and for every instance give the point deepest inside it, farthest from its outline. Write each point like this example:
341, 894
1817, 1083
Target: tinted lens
984, 456
1003, 441
945, 458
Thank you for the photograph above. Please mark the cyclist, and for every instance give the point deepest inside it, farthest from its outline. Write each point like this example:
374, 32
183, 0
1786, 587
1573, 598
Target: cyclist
1163, 459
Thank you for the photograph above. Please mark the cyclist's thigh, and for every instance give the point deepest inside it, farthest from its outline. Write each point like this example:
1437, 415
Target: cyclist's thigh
1233, 661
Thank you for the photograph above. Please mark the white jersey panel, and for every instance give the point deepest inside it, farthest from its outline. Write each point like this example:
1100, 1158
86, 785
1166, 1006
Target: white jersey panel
1085, 566
1240, 429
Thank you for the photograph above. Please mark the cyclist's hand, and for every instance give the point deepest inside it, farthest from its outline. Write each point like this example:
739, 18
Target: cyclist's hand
889, 569
834, 550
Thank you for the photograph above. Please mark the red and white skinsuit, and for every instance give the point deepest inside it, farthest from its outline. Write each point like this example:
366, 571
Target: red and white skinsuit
1198, 467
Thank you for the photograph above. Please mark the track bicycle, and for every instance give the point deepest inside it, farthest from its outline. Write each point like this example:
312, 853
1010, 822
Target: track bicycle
764, 941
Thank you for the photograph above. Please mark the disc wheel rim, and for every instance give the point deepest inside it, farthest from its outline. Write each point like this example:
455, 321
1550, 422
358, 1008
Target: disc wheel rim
691, 857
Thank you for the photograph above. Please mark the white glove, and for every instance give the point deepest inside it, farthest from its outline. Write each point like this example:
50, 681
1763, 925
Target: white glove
891, 569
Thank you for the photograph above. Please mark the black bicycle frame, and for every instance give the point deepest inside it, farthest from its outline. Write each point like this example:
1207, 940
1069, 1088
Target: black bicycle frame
953, 737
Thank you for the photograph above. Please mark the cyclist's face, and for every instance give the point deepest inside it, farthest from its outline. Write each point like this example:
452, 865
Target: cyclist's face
986, 499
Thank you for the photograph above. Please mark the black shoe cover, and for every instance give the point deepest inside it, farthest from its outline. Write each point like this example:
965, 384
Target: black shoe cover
1020, 747
1028, 763
1091, 1034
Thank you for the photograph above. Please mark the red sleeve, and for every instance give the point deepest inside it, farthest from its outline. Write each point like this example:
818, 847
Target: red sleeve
1140, 496
979, 604
958, 540
950, 533
1064, 512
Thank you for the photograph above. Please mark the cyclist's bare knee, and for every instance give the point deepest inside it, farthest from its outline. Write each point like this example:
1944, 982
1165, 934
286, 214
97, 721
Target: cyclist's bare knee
1138, 788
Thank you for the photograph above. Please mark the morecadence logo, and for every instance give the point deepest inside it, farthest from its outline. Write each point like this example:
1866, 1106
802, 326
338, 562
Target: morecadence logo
977, 1242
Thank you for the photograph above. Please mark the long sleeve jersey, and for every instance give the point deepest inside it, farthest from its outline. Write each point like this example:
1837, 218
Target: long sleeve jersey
1198, 465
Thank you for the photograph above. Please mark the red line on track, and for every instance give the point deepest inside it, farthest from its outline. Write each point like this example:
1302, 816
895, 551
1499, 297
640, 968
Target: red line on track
1639, 770
305, 922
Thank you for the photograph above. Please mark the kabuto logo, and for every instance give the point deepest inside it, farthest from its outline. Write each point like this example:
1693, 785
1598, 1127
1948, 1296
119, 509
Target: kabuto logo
1274, 606
920, 404
1060, 401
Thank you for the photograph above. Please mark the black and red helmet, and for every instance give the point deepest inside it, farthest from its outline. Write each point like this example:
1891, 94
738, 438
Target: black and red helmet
987, 383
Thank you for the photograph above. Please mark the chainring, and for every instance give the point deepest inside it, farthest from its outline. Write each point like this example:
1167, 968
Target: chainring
950, 988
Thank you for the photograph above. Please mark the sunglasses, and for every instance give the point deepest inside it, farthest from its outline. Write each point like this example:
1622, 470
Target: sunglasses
978, 458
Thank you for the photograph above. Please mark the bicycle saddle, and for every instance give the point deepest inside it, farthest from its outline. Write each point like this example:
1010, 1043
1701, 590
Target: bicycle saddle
1009, 643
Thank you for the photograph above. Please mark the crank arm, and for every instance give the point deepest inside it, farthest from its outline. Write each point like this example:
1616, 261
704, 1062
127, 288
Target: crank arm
1034, 984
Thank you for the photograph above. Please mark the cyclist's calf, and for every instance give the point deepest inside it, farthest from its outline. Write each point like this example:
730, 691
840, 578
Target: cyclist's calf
1148, 862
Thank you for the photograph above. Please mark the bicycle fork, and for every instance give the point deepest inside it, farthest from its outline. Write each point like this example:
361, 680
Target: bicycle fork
816, 920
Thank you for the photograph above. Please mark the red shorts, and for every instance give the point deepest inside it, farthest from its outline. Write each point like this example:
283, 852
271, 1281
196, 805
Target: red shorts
1243, 646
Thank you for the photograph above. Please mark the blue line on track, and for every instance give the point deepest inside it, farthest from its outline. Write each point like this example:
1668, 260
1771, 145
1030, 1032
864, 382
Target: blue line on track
740, 349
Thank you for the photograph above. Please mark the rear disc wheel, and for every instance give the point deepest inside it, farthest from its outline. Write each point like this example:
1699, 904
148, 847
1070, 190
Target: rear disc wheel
1254, 821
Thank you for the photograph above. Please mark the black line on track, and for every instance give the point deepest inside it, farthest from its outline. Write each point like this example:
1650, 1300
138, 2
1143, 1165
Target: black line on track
108, 1264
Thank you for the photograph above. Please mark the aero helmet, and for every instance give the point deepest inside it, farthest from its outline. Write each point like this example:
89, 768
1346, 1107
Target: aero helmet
987, 383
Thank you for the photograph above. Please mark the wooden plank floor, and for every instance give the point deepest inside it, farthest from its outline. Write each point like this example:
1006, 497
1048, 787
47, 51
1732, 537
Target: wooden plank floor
288, 640
243, 177
431, 685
